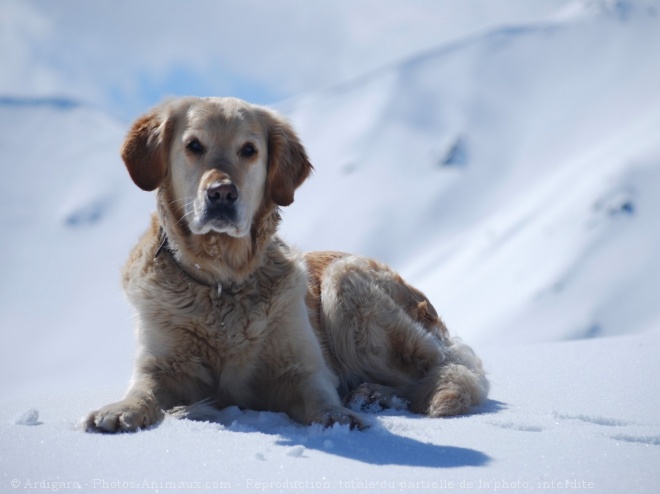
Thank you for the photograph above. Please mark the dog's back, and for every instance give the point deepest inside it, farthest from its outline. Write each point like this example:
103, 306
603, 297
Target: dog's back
378, 329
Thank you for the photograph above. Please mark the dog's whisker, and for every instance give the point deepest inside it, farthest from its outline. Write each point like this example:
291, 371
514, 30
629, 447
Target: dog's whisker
184, 216
188, 199
187, 202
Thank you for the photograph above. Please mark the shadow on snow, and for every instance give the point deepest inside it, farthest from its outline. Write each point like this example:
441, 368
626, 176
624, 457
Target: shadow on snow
376, 445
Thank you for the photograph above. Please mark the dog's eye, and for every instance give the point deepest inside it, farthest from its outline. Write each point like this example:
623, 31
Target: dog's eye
195, 147
248, 150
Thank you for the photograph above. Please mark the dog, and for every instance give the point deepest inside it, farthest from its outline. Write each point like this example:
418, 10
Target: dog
228, 314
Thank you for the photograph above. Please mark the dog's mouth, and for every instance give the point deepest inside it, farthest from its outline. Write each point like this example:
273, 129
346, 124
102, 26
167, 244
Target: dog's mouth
217, 210
221, 218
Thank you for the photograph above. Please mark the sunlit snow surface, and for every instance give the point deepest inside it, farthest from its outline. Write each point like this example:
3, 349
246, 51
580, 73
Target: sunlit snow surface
582, 413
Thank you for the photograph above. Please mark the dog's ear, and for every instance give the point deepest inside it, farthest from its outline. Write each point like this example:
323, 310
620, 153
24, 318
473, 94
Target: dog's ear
145, 150
288, 165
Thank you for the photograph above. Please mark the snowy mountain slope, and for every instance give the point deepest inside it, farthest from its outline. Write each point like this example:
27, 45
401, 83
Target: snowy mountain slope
73, 49
69, 217
521, 100
499, 170
590, 423
511, 174
575, 256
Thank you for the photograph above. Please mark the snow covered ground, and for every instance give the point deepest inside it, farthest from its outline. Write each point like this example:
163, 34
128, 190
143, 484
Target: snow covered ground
579, 416
511, 171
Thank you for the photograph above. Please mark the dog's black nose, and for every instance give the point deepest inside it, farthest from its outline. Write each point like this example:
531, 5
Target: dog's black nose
222, 193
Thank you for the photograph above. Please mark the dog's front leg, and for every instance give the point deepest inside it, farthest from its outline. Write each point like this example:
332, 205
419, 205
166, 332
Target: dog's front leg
313, 400
139, 409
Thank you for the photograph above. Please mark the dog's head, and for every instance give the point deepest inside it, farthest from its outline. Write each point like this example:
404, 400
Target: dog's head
221, 160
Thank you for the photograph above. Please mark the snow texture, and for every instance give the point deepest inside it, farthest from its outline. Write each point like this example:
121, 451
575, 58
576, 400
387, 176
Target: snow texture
29, 417
568, 413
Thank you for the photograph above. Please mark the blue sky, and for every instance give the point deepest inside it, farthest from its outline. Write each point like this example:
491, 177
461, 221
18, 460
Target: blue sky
125, 55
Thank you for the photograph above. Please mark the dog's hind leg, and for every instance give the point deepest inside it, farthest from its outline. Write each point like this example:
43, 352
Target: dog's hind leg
381, 330
371, 397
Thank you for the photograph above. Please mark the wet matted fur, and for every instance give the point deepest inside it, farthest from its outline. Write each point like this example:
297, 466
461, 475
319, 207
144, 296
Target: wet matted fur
228, 314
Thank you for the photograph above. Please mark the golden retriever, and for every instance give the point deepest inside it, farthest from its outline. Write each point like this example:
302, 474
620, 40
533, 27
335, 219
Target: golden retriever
228, 314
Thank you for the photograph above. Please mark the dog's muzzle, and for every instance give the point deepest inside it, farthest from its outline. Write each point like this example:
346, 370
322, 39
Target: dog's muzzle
220, 202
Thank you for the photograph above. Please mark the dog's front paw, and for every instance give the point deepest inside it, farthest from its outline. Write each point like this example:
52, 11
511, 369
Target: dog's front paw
343, 416
123, 416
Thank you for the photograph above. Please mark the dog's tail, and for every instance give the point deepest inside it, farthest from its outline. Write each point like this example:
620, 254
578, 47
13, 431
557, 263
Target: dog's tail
453, 386
466, 356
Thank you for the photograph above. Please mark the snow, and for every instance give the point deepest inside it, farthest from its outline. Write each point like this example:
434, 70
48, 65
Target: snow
514, 169
74, 49
567, 413
29, 417
509, 166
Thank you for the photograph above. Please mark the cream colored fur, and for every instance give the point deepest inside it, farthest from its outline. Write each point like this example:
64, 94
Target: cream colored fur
228, 314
